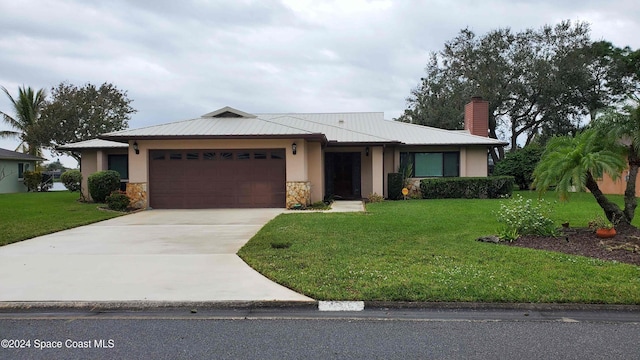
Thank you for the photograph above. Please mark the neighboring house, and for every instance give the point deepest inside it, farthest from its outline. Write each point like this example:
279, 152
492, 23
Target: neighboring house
12, 167
609, 186
230, 158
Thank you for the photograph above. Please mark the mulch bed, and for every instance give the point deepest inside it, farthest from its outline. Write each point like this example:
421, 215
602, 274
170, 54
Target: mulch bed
624, 247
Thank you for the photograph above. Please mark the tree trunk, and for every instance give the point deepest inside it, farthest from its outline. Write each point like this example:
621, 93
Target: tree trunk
611, 210
630, 201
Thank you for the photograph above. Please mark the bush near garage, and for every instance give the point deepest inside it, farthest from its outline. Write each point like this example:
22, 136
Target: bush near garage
102, 184
118, 201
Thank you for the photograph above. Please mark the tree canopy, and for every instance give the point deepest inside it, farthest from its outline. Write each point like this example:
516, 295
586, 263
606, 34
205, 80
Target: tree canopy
26, 119
82, 113
538, 82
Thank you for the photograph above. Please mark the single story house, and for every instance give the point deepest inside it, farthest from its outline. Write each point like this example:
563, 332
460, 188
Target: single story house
230, 158
13, 164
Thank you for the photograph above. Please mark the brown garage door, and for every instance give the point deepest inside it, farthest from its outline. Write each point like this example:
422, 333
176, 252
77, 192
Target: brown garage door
202, 179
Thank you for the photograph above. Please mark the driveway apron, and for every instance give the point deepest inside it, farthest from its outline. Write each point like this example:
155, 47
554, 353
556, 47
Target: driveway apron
154, 255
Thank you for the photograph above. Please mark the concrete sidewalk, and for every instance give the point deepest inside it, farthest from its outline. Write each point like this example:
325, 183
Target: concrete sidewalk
155, 255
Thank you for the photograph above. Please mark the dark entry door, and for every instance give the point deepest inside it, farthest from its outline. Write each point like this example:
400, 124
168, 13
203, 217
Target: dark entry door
342, 175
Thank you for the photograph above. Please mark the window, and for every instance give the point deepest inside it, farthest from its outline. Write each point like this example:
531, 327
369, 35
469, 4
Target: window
277, 154
433, 164
226, 156
175, 156
119, 163
260, 155
193, 155
209, 155
244, 155
157, 155
22, 167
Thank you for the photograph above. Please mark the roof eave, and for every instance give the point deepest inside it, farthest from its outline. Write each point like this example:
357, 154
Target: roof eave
126, 138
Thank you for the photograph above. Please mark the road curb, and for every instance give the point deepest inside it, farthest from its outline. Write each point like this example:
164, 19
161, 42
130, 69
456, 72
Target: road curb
370, 305
151, 305
98, 306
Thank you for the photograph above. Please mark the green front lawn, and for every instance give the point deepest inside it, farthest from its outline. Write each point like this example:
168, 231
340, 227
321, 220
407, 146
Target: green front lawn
28, 215
425, 250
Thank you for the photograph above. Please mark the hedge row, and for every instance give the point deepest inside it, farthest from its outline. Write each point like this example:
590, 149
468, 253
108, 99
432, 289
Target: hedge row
467, 187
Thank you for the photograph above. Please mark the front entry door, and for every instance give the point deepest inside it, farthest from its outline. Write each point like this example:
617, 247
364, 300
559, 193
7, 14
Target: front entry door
342, 175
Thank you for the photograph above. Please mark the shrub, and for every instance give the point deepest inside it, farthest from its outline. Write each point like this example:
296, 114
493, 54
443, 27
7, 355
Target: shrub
524, 217
375, 198
118, 201
102, 184
72, 180
32, 180
467, 187
520, 164
394, 186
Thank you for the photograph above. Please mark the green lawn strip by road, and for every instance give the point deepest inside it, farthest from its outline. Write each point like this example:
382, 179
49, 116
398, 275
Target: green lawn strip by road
425, 250
27, 215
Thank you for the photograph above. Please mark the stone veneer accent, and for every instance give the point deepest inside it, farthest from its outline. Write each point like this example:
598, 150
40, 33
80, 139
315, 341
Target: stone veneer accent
137, 192
298, 192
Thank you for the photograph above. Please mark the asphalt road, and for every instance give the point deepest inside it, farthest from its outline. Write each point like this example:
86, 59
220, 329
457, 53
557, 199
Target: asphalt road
307, 334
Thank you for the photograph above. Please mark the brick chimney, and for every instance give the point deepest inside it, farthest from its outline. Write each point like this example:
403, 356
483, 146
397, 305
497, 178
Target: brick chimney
476, 117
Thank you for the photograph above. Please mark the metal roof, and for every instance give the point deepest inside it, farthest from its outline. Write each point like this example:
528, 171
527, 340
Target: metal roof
93, 144
14, 155
357, 127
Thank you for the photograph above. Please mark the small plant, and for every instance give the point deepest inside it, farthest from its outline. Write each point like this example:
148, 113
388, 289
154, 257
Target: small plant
319, 205
524, 217
599, 222
118, 201
375, 198
102, 184
508, 234
71, 180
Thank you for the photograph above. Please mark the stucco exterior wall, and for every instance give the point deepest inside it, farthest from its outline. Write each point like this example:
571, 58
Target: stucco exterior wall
377, 170
476, 162
608, 186
315, 167
9, 182
295, 164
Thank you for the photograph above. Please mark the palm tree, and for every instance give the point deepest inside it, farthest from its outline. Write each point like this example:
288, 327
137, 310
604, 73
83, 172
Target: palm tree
574, 163
27, 109
624, 128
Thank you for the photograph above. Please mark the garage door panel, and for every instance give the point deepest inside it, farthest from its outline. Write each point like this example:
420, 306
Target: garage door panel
217, 178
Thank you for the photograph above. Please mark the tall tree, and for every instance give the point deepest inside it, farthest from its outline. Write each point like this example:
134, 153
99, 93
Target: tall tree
27, 108
537, 82
82, 113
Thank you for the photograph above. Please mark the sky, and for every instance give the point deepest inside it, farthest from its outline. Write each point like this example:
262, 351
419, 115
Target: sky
180, 59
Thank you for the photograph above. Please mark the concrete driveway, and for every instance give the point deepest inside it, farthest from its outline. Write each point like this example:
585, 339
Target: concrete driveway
155, 255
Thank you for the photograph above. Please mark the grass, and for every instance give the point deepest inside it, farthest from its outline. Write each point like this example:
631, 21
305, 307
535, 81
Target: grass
27, 215
425, 250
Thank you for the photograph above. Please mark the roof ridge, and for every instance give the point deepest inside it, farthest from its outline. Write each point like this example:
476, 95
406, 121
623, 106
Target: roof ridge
151, 126
291, 127
324, 113
338, 127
